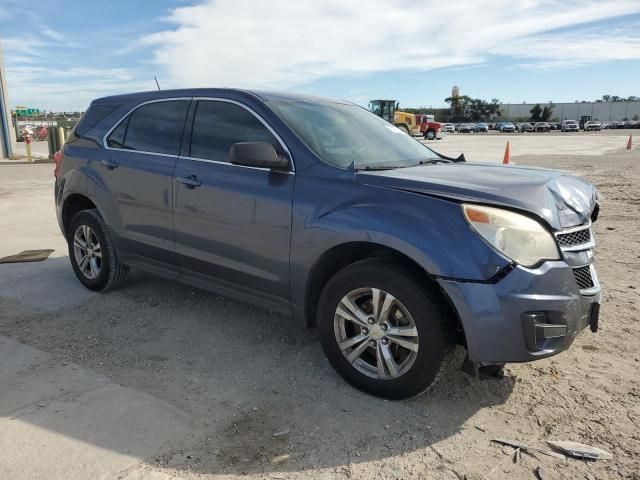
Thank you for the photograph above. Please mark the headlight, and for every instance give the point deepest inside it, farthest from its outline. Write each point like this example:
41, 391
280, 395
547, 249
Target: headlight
520, 238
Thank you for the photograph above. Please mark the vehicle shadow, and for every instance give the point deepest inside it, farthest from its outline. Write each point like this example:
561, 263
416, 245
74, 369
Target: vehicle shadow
260, 395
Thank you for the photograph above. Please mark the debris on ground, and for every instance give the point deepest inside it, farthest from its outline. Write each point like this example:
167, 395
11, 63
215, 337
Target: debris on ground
527, 448
580, 450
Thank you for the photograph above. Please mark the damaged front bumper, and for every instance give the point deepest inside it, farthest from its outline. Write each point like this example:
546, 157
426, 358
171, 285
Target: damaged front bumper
527, 315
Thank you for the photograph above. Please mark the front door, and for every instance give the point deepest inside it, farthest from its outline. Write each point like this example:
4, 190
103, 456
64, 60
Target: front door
232, 223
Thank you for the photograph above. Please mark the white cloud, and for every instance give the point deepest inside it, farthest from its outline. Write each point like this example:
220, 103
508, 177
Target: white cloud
51, 34
281, 43
68, 89
574, 49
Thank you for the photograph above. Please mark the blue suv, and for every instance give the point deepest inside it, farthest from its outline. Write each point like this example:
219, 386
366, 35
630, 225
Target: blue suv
321, 210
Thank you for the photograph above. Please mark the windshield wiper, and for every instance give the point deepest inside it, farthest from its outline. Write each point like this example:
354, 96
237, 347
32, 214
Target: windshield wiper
369, 168
433, 161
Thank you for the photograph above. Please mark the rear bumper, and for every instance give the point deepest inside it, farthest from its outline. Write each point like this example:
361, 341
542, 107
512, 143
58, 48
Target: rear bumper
527, 315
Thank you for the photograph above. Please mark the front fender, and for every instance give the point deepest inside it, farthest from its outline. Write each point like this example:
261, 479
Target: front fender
431, 231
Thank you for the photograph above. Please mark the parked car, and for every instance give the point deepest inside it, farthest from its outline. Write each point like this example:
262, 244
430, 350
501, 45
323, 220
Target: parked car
507, 127
449, 128
592, 125
608, 125
570, 126
541, 127
525, 127
393, 251
481, 128
620, 124
41, 132
555, 126
467, 128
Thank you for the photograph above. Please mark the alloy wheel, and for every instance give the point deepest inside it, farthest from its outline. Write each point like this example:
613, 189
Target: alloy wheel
87, 252
376, 333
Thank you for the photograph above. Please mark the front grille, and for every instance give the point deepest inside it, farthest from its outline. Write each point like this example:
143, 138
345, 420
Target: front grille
579, 237
583, 277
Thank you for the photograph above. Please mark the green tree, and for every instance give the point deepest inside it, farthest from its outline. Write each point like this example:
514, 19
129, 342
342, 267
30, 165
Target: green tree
547, 112
465, 108
481, 110
458, 106
536, 113
606, 98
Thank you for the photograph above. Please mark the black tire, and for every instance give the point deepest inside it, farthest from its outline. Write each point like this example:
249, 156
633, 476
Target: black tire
112, 274
432, 316
429, 135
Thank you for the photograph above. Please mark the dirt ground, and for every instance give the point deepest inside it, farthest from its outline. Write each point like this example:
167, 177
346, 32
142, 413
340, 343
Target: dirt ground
241, 375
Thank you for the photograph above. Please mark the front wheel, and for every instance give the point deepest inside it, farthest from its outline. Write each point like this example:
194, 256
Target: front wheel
430, 135
383, 329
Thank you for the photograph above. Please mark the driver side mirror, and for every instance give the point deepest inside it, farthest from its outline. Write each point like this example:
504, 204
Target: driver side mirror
257, 154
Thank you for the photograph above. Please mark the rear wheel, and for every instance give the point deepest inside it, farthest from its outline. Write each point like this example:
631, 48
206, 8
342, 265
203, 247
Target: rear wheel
384, 330
92, 254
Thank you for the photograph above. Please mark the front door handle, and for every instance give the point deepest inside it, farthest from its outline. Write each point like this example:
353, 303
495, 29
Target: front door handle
191, 181
110, 164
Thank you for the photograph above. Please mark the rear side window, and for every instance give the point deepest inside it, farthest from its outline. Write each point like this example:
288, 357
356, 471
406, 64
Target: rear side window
93, 116
116, 139
218, 125
154, 127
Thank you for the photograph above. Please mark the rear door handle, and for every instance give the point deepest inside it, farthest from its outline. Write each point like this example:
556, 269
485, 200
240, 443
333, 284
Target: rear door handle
191, 181
110, 164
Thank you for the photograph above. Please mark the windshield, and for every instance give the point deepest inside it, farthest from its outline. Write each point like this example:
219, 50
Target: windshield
348, 136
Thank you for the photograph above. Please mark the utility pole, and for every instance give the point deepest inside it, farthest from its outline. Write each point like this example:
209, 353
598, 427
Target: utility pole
7, 133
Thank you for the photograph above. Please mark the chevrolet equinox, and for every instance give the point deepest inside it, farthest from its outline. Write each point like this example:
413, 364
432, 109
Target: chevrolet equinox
321, 210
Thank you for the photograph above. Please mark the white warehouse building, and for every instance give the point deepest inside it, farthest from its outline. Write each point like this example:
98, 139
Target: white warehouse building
605, 112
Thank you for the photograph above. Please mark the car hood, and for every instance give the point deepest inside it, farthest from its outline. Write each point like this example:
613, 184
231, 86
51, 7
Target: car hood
561, 200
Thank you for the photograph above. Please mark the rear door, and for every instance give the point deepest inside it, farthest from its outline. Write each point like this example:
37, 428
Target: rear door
232, 223
143, 150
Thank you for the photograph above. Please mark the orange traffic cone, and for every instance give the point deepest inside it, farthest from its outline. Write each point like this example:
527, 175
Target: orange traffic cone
629, 143
507, 155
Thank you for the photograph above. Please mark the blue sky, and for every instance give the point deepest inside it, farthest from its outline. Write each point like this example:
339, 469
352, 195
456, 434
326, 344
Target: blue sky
62, 54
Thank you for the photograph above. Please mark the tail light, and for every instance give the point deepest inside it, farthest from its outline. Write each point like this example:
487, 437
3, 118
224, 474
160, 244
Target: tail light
57, 158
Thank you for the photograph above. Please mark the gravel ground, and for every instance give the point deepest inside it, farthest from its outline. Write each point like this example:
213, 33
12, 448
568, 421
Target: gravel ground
242, 374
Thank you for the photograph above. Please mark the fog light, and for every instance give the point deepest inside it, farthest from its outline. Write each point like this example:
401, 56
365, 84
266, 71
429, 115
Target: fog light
537, 330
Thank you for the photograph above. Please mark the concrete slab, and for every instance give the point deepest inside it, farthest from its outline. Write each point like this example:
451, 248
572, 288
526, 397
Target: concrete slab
27, 205
48, 285
65, 422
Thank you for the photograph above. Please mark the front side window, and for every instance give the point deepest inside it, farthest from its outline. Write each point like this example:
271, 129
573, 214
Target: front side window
155, 127
218, 125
